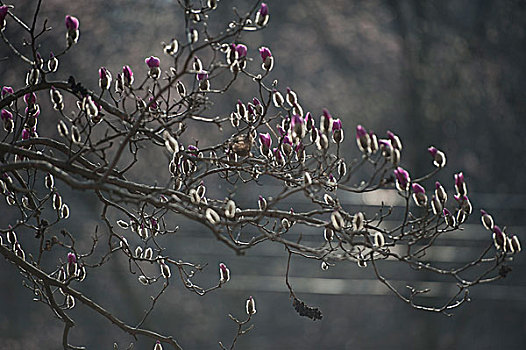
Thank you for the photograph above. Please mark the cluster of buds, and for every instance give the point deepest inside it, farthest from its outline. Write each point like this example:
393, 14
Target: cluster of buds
72, 34
501, 240
13, 240
262, 15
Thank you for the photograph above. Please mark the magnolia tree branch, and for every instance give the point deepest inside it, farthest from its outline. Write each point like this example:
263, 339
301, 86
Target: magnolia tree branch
99, 137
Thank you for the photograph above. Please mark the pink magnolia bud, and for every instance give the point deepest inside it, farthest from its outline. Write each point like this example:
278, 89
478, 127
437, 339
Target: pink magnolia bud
127, 75
440, 192
3, 13
460, 184
448, 218
419, 195
439, 158
264, 9
71, 258
152, 62
224, 273
72, 23
7, 90
104, 78
241, 50
265, 140
6, 115
266, 57
395, 140
402, 179
262, 15
363, 140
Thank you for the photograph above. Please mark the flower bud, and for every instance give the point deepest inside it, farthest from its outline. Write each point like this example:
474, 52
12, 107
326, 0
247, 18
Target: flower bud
440, 192
460, 184
262, 15
3, 13
158, 346
363, 140
439, 158
328, 234
148, 253
230, 210
72, 26
448, 218
402, 179
395, 140
379, 240
144, 280
127, 75
499, 238
171, 48
104, 78
436, 205
224, 273
212, 216
251, 306
52, 64
419, 195
337, 131
266, 57
277, 99
262, 203
165, 270
515, 244
337, 221
358, 221
487, 220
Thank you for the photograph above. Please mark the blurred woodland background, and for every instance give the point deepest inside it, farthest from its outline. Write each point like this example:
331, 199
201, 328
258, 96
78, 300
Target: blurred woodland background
448, 73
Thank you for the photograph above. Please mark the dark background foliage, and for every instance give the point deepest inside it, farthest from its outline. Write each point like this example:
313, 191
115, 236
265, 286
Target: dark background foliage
446, 73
